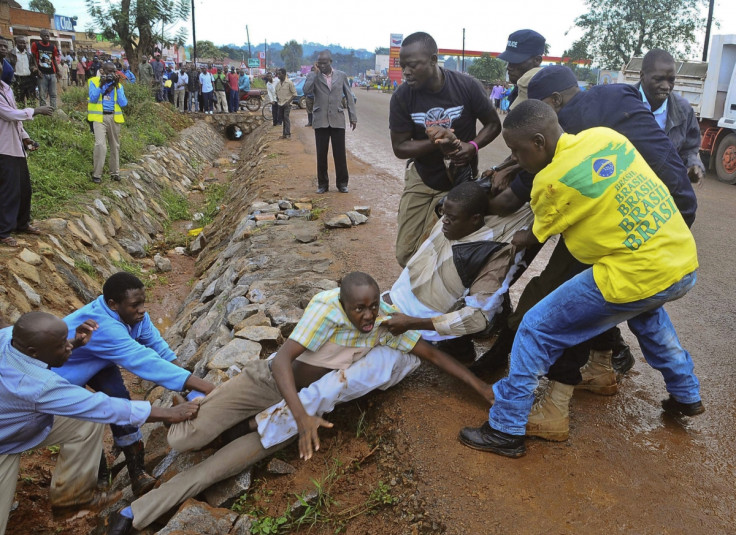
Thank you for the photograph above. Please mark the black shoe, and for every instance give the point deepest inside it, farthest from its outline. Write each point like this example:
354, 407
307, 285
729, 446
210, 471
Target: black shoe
115, 177
95, 179
622, 359
140, 481
342, 189
322, 189
485, 438
119, 524
677, 408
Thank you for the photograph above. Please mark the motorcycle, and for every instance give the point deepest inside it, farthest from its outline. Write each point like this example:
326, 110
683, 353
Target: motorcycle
251, 100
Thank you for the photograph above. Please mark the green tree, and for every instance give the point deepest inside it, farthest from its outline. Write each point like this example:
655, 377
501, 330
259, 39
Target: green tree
616, 30
292, 56
138, 25
488, 69
208, 49
42, 6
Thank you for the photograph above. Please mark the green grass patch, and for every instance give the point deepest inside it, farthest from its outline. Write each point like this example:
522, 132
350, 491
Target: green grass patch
176, 205
60, 169
214, 195
85, 266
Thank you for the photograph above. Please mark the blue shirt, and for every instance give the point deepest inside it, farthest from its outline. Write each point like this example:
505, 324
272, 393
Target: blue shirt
109, 99
620, 108
660, 114
129, 75
31, 394
244, 83
139, 349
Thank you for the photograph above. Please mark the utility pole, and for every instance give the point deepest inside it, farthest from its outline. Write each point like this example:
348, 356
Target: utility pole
247, 33
194, 38
463, 69
708, 24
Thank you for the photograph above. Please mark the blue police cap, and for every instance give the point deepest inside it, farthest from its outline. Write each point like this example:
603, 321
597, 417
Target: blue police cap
522, 45
551, 79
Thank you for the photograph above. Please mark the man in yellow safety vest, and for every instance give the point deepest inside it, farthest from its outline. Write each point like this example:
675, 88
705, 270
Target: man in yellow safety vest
106, 98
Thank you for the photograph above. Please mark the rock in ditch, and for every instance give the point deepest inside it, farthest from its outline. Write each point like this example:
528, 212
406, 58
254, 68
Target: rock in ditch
237, 352
356, 218
162, 263
277, 466
198, 518
227, 489
341, 221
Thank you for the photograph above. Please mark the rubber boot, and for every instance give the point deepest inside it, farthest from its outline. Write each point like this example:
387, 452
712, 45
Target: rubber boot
140, 481
598, 374
550, 415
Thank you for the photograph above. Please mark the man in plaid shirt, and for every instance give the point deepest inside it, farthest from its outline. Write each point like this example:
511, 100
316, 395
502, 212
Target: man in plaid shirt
340, 330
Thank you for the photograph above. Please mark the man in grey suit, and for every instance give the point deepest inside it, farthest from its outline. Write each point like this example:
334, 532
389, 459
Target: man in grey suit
328, 86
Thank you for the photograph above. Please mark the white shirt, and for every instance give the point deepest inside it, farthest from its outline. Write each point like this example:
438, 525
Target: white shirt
22, 68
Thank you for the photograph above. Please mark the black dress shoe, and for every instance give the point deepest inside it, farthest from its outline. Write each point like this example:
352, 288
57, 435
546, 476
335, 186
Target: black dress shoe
342, 189
485, 438
622, 359
323, 189
119, 524
677, 408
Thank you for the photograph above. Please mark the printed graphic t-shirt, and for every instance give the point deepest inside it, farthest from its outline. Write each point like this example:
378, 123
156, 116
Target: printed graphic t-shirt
44, 56
615, 213
457, 105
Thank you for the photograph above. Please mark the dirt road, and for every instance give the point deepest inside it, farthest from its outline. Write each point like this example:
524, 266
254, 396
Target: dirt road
627, 467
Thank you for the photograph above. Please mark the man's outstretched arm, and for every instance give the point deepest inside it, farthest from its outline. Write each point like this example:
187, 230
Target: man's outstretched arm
449, 365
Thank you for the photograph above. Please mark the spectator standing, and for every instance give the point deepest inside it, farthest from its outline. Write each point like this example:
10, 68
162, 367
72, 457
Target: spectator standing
271, 91
128, 74
15, 180
206, 82
106, 98
26, 71
145, 72
81, 64
329, 86
64, 75
233, 84
158, 75
285, 93
180, 88
73, 70
243, 86
221, 86
46, 56
193, 88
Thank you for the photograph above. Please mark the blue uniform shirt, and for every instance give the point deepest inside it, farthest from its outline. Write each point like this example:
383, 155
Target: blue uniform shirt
139, 349
31, 394
660, 114
109, 99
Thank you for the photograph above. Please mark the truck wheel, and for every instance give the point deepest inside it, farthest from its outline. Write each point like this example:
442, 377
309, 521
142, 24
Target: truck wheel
726, 159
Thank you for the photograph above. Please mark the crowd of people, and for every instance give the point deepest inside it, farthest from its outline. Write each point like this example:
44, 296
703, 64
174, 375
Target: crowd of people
609, 169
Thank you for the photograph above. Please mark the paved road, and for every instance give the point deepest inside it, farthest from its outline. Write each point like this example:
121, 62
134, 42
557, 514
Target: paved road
627, 467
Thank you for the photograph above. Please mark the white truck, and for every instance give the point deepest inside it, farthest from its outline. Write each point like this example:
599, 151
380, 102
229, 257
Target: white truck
711, 90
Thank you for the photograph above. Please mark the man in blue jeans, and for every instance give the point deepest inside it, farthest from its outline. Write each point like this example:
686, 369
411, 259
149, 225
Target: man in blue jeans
616, 215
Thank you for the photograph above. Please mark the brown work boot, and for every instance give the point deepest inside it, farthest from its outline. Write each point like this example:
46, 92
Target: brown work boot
550, 415
99, 501
140, 481
598, 374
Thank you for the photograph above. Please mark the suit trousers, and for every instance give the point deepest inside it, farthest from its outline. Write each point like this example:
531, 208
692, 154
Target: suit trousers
15, 194
322, 137
75, 475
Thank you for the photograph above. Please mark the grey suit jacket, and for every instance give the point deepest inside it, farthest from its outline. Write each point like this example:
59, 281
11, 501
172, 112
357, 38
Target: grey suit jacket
328, 104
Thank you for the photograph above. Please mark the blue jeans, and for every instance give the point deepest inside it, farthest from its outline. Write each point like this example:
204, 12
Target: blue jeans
47, 90
577, 312
109, 381
207, 100
194, 101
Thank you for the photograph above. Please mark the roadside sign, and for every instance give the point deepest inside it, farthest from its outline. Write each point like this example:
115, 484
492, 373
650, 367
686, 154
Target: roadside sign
254, 62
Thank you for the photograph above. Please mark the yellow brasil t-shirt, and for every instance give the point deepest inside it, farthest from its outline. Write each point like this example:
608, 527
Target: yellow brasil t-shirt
614, 213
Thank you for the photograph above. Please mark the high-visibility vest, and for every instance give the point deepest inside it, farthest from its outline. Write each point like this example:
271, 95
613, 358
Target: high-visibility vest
94, 109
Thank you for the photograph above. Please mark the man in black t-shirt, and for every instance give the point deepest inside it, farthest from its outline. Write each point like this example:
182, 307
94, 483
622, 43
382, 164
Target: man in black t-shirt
433, 96
46, 54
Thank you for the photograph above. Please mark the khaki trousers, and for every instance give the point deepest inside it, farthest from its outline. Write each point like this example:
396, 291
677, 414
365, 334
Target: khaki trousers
106, 131
416, 215
232, 402
221, 101
75, 475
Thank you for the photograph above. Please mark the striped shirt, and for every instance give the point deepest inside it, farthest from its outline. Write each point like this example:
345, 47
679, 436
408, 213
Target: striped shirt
324, 321
31, 394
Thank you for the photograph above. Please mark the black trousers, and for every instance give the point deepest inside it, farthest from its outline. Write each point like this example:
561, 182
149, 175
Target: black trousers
322, 137
15, 194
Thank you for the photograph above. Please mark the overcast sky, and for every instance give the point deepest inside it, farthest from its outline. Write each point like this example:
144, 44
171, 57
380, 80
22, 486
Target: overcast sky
369, 23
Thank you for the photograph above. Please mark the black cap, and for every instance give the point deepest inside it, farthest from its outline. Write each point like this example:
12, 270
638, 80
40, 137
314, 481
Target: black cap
522, 45
551, 79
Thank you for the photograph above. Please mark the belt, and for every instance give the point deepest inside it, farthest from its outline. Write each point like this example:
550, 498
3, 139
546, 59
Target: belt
108, 112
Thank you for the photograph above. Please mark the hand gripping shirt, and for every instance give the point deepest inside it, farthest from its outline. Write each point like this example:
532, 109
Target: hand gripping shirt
615, 213
333, 342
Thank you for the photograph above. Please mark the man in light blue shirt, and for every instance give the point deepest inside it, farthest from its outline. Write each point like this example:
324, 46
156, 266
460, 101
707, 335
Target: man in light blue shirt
206, 82
127, 338
660, 114
40, 408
